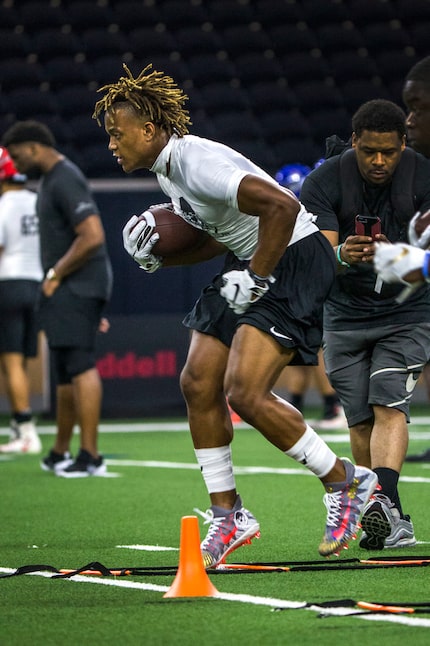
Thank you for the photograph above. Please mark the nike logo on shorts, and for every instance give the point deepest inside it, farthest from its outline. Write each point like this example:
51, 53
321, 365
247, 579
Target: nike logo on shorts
279, 334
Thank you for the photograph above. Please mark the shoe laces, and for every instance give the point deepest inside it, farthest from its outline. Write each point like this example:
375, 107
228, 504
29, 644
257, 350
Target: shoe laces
214, 522
333, 502
207, 515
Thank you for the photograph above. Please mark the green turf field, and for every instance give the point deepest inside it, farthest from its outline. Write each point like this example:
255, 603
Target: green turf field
132, 519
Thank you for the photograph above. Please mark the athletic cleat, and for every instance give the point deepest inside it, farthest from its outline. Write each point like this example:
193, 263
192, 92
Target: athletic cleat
345, 506
24, 439
56, 461
84, 465
383, 527
228, 530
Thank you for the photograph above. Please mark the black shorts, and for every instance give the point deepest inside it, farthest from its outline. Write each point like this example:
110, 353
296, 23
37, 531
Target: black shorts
290, 312
18, 316
70, 321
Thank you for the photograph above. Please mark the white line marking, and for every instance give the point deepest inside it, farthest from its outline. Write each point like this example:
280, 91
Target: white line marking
242, 598
155, 464
149, 427
149, 548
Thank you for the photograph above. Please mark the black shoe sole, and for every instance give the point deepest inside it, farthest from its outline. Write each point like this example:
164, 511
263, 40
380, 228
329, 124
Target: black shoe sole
377, 528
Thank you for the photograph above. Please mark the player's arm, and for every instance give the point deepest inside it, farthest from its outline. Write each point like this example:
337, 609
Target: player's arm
89, 237
277, 212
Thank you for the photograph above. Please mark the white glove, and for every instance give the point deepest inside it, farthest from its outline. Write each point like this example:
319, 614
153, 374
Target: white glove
138, 238
424, 239
393, 261
243, 288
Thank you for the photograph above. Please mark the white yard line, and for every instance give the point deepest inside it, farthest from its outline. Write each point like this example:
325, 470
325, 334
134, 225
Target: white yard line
173, 427
284, 604
191, 466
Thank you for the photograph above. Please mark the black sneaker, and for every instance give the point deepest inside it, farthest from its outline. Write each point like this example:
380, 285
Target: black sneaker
54, 461
84, 465
420, 457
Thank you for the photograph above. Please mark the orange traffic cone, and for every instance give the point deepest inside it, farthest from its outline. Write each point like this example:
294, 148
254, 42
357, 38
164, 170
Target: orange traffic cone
191, 579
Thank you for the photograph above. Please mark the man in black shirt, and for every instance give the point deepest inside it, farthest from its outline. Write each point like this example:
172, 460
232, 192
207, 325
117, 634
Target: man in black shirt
375, 347
75, 289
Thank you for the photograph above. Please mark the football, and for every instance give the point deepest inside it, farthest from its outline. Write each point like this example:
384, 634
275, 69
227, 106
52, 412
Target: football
176, 235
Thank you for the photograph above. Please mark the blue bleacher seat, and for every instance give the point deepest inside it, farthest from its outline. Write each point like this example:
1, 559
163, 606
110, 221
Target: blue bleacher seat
221, 97
16, 73
195, 40
34, 15
50, 43
25, 102
63, 71
266, 95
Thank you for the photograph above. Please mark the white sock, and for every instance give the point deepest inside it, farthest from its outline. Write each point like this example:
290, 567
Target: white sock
313, 452
217, 468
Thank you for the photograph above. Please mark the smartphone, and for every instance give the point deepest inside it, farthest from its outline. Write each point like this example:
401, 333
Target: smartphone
367, 225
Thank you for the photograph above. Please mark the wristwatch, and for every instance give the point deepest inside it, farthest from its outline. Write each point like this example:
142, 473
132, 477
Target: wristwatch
51, 274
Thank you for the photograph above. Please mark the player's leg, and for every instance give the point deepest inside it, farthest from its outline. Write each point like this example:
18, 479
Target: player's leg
24, 437
255, 362
202, 383
18, 341
16, 381
79, 364
87, 387
297, 380
399, 354
66, 417
59, 455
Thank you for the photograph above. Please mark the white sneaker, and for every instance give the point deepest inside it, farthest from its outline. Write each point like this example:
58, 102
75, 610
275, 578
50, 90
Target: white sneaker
335, 423
383, 527
24, 439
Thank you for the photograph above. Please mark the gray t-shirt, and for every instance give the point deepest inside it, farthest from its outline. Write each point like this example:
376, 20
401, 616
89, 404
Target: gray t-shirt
64, 201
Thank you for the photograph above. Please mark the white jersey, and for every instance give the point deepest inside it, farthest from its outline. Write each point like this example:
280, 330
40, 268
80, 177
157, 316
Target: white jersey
19, 236
202, 179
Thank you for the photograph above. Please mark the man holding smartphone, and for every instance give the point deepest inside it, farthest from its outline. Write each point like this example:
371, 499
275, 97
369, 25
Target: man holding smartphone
375, 343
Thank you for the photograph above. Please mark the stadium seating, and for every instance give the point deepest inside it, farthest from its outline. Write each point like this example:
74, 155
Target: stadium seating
317, 59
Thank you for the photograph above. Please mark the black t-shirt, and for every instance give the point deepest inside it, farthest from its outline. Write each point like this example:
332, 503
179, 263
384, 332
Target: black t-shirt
64, 200
359, 298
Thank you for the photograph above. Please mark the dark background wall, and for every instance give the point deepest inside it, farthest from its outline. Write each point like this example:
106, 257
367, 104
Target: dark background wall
272, 78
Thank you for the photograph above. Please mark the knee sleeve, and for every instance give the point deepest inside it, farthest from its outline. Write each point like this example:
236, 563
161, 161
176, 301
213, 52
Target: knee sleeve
70, 362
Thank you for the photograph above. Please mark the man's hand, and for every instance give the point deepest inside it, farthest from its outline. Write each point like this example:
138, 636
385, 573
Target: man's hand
243, 288
395, 262
139, 239
419, 230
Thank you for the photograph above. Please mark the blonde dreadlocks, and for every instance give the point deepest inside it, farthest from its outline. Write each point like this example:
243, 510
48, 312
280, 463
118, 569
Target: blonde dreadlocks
153, 94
